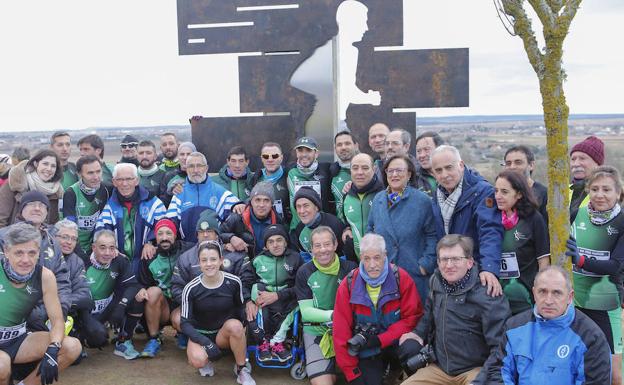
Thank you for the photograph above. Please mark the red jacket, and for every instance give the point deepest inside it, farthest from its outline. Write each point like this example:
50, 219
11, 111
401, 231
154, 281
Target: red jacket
353, 305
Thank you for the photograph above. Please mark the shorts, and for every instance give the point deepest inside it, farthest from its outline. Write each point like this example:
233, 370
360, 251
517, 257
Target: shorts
316, 363
13, 347
610, 322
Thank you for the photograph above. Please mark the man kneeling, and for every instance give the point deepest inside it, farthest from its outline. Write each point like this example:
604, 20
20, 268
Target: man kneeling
23, 283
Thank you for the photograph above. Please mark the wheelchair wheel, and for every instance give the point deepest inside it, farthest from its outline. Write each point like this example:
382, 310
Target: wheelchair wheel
298, 371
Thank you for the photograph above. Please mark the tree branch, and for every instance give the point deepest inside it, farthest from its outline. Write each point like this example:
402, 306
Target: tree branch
568, 15
555, 6
544, 12
523, 28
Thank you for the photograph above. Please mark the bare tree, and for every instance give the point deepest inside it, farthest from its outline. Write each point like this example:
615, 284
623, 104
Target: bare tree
555, 17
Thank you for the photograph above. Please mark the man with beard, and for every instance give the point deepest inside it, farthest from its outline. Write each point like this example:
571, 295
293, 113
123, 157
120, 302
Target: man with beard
150, 175
358, 201
129, 150
273, 172
199, 193
345, 147
60, 143
425, 144
155, 276
521, 159
308, 172
84, 200
131, 213
235, 175
169, 150
174, 178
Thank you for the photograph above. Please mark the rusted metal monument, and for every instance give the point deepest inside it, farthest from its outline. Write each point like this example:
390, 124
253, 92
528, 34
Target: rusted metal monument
275, 38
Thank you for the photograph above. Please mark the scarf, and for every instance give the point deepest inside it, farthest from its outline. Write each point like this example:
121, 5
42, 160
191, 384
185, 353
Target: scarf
230, 174
12, 275
96, 264
148, 172
36, 183
171, 163
459, 285
447, 204
331, 269
307, 171
86, 189
366, 189
273, 178
510, 222
599, 218
315, 222
394, 197
345, 165
375, 282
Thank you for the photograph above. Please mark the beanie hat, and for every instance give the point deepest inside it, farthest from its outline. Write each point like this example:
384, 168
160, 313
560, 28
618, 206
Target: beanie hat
308, 193
166, 223
208, 221
33, 196
263, 188
593, 147
274, 230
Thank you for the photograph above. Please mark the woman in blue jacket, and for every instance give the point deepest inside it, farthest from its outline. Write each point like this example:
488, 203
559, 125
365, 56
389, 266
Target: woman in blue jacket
403, 216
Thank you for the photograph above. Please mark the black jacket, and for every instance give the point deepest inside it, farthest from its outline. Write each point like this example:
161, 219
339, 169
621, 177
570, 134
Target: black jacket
329, 220
240, 226
467, 326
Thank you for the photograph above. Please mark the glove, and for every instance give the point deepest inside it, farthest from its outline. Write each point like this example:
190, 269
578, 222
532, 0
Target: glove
48, 368
407, 349
213, 351
356, 343
572, 252
117, 314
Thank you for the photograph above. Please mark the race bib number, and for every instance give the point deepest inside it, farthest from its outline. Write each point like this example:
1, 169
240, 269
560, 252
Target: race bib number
509, 266
10, 333
597, 255
101, 304
279, 208
87, 222
315, 184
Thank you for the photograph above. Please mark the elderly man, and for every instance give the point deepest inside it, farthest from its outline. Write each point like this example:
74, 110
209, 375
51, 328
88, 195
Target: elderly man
358, 201
425, 144
345, 147
245, 232
175, 177
235, 175
584, 158
377, 142
199, 193
60, 143
308, 172
24, 284
273, 172
375, 306
521, 159
84, 201
131, 214
464, 204
462, 325
316, 286
552, 338
151, 176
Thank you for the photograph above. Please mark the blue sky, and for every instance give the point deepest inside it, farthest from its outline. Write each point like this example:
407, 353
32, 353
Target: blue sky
80, 63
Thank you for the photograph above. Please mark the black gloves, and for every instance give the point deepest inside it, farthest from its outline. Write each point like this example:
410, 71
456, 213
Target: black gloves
577, 259
213, 351
48, 368
407, 349
362, 341
117, 314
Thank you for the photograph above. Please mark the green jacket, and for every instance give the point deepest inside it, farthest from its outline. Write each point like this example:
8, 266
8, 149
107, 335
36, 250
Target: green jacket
239, 187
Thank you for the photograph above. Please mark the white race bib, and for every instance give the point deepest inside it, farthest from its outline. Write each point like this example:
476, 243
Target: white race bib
509, 266
315, 184
101, 304
597, 255
279, 208
87, 222
12, 332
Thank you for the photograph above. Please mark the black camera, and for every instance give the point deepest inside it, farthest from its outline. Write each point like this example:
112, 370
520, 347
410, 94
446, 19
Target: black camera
360, 338
425, 356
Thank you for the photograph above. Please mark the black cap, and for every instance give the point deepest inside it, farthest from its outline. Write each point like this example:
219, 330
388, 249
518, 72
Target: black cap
274, 230
309, 193
307, 142
129, 139
33, 196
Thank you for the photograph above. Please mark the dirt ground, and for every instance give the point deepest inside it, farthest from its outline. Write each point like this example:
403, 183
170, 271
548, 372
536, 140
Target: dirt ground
168, 368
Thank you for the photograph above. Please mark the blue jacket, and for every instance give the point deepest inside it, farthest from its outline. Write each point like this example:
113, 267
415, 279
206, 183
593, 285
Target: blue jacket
186, 207
151, 210
476, 215
570, 349
409, 232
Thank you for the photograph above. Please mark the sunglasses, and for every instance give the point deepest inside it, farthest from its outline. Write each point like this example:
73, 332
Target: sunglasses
129, 145
267, 156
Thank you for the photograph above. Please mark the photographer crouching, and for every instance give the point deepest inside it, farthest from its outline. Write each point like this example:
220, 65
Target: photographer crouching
375, 305
462, 324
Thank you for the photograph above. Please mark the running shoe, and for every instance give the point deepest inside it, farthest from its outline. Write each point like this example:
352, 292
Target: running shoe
207, 370
264, 352
280, 352
181, 341
244, 377
126, 350
151, 348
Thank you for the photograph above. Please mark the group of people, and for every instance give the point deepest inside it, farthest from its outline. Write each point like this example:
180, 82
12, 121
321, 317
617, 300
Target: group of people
393, 262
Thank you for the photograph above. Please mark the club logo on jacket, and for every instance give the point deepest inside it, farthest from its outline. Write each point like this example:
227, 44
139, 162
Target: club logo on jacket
563, 351
612, 230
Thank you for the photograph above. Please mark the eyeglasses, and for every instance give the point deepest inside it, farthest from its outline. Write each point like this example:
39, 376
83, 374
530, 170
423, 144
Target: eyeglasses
397, 171
128, 145
267, 156
67, 238
124, 180
450, 260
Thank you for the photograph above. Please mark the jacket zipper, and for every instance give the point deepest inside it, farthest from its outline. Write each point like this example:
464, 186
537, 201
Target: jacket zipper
444, 334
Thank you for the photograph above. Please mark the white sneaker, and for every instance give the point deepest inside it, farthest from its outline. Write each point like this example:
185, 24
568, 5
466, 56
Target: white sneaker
244, 377
207, 370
